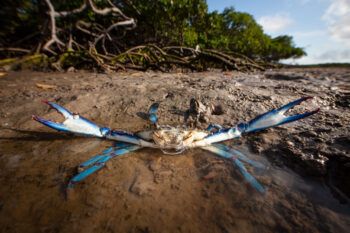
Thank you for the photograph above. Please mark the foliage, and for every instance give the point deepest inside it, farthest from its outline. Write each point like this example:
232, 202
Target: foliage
18, 19
188, 23
26, 24
282, 47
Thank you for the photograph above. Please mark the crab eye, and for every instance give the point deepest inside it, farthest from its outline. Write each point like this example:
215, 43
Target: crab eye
187, 136
157, 135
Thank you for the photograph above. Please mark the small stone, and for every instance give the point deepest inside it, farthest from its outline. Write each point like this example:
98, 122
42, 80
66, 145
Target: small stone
289, 143
71, 69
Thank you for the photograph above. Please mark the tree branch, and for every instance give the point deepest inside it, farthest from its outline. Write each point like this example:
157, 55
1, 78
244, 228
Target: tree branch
54, 38
75, 11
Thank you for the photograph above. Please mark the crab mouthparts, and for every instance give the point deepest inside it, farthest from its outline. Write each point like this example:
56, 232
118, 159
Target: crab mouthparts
169, 142
173, 147
173, 150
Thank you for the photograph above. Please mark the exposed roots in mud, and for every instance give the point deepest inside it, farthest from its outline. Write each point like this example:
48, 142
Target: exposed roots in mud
66, 40
143, 57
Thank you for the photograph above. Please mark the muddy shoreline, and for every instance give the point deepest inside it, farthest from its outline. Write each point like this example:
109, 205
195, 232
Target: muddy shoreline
149, 192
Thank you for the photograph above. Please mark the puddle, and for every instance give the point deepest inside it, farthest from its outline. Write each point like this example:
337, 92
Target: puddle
146, 191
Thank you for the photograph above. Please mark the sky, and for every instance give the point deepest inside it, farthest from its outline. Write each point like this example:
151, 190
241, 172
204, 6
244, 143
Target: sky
321, 27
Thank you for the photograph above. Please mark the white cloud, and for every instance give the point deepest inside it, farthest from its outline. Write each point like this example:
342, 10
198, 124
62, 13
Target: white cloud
337, 18
336, 55
328, 56
275, 23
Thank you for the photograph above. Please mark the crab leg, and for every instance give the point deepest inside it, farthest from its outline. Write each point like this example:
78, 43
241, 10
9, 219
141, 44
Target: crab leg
129, 138
105, 153
264, 121
212, 126
249, 177
89, 171
240, 155
100, 160
243, 170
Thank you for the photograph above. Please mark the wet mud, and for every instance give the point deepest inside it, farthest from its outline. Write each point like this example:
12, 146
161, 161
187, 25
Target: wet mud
307, 162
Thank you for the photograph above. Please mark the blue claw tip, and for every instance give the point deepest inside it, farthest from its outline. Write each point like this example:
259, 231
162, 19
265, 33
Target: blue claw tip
153, 118
277, 117
51, 124
294, 103
60, 109
153, 109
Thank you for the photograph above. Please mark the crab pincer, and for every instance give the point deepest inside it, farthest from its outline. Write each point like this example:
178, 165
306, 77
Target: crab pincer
73, 123
276, 117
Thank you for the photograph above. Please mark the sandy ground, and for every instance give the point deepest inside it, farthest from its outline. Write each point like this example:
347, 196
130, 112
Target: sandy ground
307, 185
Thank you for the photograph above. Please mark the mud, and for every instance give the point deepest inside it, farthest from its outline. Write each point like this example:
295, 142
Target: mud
308, 162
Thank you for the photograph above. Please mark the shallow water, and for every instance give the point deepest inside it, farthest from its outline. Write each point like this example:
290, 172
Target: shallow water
146, 191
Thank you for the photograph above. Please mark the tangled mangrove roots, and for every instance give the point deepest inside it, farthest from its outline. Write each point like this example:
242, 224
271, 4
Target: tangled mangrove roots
142, 58
65, 40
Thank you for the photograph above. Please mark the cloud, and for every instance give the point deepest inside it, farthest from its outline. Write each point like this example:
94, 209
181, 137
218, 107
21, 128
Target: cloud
337, 18
336, 55
328, 56
275, 23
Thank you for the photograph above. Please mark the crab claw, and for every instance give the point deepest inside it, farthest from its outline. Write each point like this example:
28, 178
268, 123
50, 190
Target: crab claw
152, 111
73, 123
276, 117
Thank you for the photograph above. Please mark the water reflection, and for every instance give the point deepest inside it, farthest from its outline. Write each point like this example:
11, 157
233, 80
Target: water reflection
194, 192
299, 200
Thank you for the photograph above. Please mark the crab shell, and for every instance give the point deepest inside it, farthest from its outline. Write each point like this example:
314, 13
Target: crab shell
173, 140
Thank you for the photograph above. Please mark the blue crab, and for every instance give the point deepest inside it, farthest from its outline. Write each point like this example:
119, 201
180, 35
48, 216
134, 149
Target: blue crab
172, 140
